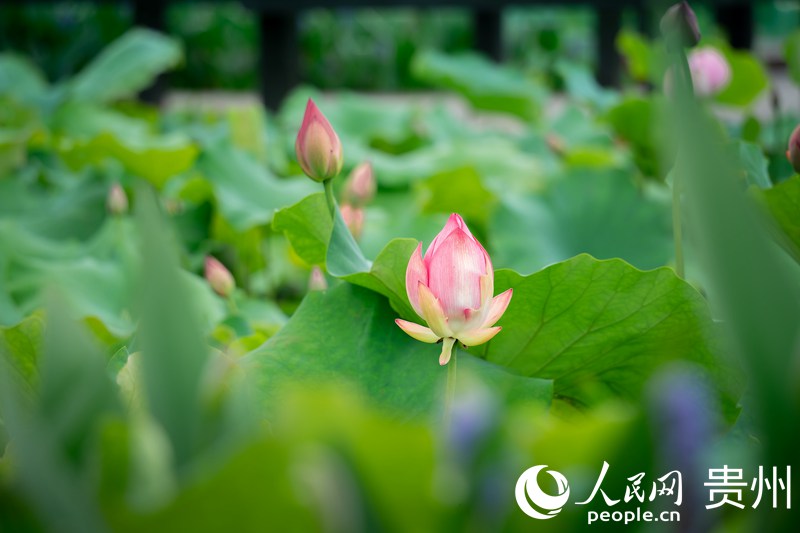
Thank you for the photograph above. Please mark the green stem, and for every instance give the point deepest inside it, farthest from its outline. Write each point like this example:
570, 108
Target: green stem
232, 307
328, 184
677, 230
450, 391
684, 93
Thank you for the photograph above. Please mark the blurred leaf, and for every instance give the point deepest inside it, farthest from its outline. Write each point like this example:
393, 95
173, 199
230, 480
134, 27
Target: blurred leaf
783, 201
636, 120
396, 214
20, 346
461, 191
248, 193
600, 328
125, 67
582, 86
89, 134
486, 85
249, 492
791, 48
21, 79
601, 213
348, 333
173, 352
54, 432
751, 282
748, 79
33, 215
637, 53
754, 163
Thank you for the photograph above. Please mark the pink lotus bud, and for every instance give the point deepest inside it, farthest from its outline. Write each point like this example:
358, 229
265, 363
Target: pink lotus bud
360, 187
451, 289
354, 219
317, 281
219, 277
793, 153
117, 200
679, 26
710, 71
318, 148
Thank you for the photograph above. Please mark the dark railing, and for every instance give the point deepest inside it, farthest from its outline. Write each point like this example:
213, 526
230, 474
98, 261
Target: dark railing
278, 63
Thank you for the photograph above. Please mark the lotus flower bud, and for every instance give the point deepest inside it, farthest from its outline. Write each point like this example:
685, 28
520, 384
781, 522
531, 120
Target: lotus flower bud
679, 26
710, 71
219, 278
117, 200
318, 148
317, 281
354, 219
360, 187
451, 288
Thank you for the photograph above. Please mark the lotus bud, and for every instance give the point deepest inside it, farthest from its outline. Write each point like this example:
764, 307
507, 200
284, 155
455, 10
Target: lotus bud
679, 26
354, 219
317, 281
556, 144
793, 153
451, 288
219, 278
117, 200
360, 187
318, 148
710, 71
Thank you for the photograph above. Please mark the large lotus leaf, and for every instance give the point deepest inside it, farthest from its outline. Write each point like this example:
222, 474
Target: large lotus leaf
125, 67
247, 192
600, 213
599, 329
348, 334
307, 225
485, 85
68, 207
85, 135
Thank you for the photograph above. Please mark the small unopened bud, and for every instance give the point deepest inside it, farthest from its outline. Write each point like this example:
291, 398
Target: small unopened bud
679, 26
318, 148
317, 281
117, 200
793, 153
556, 144
354, 219
360, 187
219, 278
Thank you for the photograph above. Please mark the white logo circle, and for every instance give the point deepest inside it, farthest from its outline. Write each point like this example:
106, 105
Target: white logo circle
528, 488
